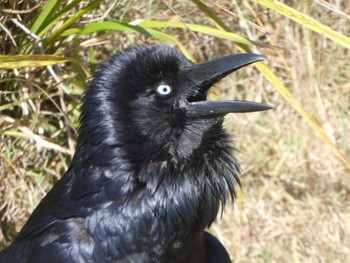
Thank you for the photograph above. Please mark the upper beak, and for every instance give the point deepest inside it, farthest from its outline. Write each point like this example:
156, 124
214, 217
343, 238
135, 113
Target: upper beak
204, 75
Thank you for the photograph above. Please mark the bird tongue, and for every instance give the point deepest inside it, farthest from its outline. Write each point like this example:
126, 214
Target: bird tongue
205, 75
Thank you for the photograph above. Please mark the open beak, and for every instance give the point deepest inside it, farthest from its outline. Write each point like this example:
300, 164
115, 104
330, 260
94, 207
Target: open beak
204, 76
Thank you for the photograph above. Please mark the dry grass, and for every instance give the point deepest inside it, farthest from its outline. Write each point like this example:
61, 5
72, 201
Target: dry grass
296, 193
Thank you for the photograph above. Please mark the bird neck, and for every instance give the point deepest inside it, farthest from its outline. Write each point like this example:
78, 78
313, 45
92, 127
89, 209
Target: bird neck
187, 190
191, 191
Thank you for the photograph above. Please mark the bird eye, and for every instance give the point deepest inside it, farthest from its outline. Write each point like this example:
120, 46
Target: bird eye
164, 90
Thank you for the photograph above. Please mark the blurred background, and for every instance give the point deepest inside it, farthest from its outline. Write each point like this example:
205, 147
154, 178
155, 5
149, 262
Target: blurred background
294, 204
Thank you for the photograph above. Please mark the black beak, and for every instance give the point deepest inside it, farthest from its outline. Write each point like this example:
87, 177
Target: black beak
203, 76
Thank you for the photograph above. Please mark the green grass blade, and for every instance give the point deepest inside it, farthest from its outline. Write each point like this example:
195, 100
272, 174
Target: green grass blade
72, 20
306, 21
274, 80
54, 18
105, 26
42, 20
22, 61
165, 37
198, 28
125, 27
212, 16
16, 103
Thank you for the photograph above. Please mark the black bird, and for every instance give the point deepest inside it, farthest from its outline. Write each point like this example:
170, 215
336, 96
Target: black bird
152, 166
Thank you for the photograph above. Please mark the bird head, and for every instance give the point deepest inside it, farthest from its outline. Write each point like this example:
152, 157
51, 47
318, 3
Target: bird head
149, 103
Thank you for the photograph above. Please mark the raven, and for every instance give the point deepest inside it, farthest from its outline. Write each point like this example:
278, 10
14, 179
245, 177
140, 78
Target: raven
152, 167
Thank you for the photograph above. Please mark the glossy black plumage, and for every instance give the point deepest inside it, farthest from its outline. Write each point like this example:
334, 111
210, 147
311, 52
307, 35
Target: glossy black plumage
151, 169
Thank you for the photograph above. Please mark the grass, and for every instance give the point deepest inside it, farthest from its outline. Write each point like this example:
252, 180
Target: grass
295, 197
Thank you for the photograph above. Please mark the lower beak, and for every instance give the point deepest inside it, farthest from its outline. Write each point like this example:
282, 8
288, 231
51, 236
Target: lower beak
220, 108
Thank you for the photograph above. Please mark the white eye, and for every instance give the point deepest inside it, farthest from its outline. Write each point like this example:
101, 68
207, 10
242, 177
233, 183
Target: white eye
164, 90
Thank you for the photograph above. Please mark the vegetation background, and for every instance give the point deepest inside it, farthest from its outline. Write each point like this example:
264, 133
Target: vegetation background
295, 199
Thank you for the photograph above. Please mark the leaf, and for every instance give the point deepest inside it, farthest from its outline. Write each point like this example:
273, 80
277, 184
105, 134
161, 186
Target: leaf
212, 16
306, 21
126, 27
72, 20
23, 61
165, 37
54, 17
198, 28
50, 8
286, 94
